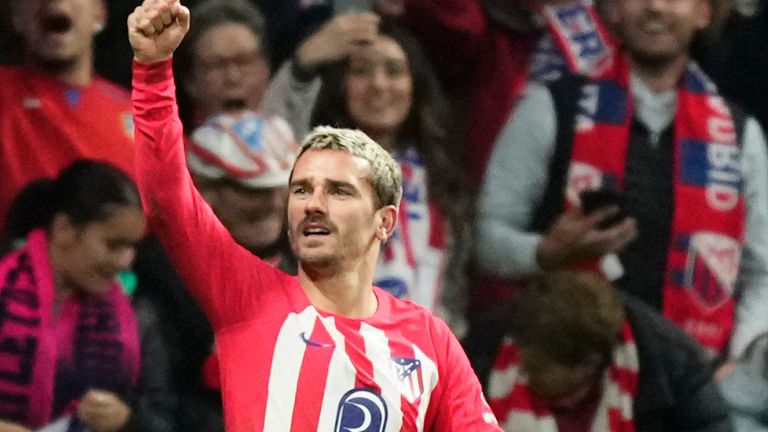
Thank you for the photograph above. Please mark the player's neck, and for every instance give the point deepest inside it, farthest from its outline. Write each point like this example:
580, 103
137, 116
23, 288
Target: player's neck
340, 292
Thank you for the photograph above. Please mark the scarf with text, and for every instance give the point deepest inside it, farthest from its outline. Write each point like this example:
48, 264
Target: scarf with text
708, 220
576, 43
519, 410
93, 339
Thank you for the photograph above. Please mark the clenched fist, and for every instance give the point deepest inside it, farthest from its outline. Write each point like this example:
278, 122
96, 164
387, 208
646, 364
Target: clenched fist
156, 28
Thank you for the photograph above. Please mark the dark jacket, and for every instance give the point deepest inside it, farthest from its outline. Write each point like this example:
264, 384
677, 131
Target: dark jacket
676, 391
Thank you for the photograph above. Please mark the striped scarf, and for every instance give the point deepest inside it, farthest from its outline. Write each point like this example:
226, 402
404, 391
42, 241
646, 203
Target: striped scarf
707, 230
519, 410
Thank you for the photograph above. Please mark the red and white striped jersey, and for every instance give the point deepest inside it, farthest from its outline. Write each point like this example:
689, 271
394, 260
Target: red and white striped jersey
286, 366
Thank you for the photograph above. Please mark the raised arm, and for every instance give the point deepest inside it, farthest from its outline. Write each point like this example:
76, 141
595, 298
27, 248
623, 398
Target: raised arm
217, 271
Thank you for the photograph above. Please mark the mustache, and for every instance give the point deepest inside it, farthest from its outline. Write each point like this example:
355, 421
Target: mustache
320, 220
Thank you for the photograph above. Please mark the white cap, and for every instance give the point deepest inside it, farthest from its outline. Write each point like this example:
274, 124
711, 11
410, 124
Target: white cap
255, 150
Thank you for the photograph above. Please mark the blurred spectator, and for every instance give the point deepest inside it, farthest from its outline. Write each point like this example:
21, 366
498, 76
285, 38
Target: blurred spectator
583, 359
72, 343
739, 61
224, 61
746, 388
240, 163
489, 49
353, 74
689, 168
53, 109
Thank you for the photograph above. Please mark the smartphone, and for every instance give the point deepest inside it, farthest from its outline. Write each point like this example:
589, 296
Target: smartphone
592, 200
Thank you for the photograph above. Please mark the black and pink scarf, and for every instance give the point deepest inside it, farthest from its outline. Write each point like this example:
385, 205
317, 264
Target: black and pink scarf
94, 339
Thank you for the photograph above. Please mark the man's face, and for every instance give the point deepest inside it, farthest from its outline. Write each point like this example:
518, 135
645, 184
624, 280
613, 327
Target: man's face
58, 32
657, 32
332, 215
230, 71
254, 217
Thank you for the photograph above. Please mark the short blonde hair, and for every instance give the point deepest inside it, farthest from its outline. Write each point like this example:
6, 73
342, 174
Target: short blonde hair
386, 177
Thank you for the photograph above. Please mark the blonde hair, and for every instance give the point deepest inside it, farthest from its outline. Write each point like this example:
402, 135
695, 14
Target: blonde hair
386, 177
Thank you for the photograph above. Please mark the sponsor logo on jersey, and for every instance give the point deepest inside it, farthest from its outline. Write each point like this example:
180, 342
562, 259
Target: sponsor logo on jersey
361, 410
409, 377
312, 343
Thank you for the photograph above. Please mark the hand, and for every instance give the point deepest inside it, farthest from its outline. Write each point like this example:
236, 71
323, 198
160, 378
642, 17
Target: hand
576, 237
156, 28
12, 427
103, 411
391, 8
336, 39
725, 370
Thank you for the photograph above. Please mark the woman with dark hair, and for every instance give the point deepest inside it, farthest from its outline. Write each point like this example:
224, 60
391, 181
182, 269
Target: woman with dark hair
71, 343
374, 76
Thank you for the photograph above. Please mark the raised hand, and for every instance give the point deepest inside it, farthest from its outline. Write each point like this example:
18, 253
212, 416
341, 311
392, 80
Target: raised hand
336, 39
156, 28
576, 237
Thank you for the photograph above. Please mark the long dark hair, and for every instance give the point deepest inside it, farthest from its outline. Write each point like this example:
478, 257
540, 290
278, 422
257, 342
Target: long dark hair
86, 191
425, 128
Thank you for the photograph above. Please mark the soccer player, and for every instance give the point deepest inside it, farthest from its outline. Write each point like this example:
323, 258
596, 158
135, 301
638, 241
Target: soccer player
325, 350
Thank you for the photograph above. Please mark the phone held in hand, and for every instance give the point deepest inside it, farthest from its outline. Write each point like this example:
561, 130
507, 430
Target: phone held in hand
593, 200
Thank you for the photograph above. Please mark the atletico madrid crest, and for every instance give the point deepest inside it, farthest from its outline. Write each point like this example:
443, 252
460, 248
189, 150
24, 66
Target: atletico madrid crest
409, 377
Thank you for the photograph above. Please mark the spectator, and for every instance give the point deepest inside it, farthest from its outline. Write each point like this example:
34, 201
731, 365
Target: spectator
54, 110
746, 388
354, 73
489, 49
640, 131
582, 358
72, 343
241, 163
224, 61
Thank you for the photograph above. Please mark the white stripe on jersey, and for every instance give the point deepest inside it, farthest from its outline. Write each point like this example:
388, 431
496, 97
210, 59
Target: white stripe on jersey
430, 377
286, 366
341, 378
377, 349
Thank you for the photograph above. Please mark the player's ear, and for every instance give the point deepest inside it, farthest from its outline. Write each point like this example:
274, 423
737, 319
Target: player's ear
386, 220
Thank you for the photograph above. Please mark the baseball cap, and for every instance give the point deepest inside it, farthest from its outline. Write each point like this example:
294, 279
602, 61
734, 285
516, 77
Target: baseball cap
253, 149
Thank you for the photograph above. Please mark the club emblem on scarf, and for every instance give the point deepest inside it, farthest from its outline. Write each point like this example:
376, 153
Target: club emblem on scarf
712, 267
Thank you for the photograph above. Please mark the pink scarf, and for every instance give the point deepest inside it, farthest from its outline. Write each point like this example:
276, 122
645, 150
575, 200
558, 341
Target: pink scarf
94, 339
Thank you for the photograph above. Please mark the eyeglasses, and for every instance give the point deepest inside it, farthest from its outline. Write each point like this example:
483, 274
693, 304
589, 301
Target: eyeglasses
218, 64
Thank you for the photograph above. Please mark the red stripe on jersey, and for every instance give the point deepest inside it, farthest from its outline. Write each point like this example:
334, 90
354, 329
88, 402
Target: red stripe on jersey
410, 410
355, 348
310, 389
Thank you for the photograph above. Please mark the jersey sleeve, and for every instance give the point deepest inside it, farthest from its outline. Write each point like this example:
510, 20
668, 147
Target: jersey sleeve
460, 404
228, 281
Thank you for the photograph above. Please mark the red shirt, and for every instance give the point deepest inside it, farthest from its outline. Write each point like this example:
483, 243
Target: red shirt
46, 124
285, 365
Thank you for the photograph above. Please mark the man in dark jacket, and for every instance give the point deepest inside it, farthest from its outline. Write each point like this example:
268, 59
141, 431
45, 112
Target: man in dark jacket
583, 358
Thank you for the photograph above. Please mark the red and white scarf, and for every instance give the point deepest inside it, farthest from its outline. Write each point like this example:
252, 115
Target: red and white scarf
708, 221
95, 339
519, 410
412, 260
